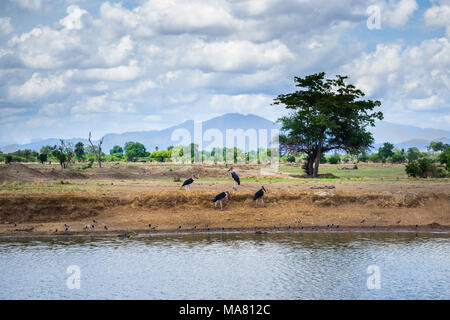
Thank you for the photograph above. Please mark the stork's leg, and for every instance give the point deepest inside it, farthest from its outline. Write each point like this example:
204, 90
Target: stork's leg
256, 203
189, 187
215, 204
221, 207
262, 200
234, 185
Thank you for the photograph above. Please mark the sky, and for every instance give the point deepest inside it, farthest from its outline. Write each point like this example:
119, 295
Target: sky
68, 67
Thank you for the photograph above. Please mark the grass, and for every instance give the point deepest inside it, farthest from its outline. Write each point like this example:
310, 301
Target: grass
363, 173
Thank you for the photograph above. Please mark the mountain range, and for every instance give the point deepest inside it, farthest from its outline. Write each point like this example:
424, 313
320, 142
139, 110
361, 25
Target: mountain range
402, 136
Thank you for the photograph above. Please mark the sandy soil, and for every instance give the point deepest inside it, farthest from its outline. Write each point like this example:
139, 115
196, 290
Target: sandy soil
290, 207
160, 206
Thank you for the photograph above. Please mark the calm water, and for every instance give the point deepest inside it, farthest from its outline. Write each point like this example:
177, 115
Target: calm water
227, 266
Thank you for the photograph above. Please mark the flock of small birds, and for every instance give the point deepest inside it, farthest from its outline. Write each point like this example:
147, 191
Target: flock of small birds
298, 223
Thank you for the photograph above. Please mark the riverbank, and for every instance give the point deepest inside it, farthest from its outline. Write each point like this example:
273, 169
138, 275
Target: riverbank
289, 207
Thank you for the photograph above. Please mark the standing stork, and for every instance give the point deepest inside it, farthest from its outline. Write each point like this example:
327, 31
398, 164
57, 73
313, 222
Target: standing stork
223, 195
187, 182
259, 195
236, 179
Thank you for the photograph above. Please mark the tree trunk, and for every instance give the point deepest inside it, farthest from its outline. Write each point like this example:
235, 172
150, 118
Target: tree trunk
317, 161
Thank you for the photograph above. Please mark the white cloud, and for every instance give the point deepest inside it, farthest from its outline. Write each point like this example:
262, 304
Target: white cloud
5, 25
5, 112
37, 87
100, 104
236, 55
439, 15
29, 4
120, 73
104, 61
396, 14
73, 18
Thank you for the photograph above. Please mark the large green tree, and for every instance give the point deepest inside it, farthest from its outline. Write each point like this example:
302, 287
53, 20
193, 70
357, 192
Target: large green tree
134, 150
386, 151
79, 151
326, 114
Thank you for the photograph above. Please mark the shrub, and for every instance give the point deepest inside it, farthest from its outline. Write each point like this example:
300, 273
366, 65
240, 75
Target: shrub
424, 168
363, 157
398, 157
89, 165
444, 158
290, 158
334, 159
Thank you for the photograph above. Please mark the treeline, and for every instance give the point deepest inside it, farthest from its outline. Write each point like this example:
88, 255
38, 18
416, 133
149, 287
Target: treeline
433, 163
388, 153
66, 153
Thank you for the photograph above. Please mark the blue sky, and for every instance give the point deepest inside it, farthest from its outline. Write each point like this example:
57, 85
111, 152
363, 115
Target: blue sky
68, 67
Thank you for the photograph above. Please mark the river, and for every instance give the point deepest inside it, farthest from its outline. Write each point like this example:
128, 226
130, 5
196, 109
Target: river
227, 266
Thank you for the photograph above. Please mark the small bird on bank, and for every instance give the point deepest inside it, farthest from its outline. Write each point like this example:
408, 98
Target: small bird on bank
56, 230
66, 225
92, 226
106, 228
67, 229
221, 196
237, 181
186, 184
85, 227
149, 225
179, 227
94, 221
259, 195
398, 222
363, 220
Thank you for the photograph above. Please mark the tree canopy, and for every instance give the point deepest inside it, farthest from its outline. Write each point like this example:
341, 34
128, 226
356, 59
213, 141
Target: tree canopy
326, 114
134, 150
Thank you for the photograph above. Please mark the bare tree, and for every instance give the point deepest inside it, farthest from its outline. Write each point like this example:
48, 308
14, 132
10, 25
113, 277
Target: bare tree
97, 150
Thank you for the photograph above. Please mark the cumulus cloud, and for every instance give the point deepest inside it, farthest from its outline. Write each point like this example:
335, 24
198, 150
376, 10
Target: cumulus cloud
5, 25
37, 87
165, 60
406, 78
28, 4
439, 15
73, 18
395, 14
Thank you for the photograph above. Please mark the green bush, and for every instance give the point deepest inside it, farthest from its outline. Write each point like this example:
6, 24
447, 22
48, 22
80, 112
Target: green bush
363, 157
290, 158
424, 168
89, 165
398, 157
334, 159
444, 158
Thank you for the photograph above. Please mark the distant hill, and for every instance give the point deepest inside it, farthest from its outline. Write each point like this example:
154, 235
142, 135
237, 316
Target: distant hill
402, 136
162, 138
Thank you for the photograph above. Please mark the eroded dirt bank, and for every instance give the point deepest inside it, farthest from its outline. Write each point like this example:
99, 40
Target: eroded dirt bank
157, 211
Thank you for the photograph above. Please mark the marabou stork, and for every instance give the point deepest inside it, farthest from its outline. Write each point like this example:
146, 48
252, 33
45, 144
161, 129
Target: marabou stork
259, 195
223, 195
187, 182
236, 179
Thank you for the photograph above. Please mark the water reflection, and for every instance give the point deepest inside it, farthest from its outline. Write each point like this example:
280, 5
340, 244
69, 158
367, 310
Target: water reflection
228, 265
